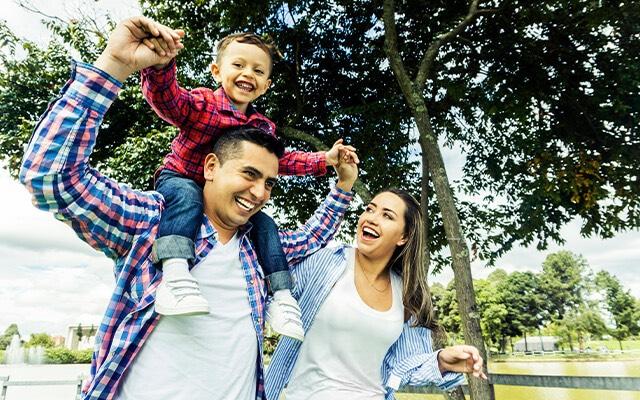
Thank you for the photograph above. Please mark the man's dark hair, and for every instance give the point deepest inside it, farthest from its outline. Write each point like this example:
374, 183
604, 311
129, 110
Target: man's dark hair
230, 143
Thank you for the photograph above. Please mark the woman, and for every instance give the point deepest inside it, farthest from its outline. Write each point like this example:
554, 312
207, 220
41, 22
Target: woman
368, 316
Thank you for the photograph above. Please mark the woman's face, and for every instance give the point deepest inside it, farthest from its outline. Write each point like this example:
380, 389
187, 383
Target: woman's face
381, 226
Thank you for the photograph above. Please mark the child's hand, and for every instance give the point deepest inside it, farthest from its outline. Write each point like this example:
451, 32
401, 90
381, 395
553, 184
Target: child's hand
165, 48
341, 151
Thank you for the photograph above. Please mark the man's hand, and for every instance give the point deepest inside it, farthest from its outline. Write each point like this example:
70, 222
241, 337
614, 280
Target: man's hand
345, 165
126, 52
462, 358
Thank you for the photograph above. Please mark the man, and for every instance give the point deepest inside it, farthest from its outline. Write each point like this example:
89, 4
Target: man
221, 356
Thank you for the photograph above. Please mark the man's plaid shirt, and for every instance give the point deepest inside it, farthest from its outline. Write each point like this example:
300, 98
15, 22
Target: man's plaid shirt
202, 115
122, 223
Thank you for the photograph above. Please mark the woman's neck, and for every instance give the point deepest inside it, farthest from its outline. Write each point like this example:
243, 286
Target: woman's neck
374, 267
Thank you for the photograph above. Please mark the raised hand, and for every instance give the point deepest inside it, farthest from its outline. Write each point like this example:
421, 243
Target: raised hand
126, 52
340, 150
345, 162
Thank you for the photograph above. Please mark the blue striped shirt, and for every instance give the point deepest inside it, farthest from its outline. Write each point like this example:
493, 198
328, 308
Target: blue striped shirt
123, 222
409, 361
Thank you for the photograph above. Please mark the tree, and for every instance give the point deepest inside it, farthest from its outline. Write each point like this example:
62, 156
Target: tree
622, 306
8, 334
40, 339
522, 296
446, 308
563, 282
493, 313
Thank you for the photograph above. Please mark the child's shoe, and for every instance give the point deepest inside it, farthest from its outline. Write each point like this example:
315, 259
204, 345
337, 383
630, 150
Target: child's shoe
178, 293
283, 314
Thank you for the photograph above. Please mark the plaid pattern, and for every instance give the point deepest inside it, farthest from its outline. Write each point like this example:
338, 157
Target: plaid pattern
122, 223
410, 360
202, 115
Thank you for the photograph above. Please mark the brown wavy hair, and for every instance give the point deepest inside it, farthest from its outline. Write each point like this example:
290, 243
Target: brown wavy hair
408, 261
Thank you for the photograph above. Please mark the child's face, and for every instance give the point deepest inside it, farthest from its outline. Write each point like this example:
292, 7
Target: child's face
243, 72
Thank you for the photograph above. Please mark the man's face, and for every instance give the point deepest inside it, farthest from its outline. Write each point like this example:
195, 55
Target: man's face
238, 188
243, 72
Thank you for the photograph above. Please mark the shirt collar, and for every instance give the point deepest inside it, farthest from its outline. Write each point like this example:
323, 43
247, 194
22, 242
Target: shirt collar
227, 106
208, 232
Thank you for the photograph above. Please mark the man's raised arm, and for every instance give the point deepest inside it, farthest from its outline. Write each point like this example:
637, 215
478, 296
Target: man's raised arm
55, 166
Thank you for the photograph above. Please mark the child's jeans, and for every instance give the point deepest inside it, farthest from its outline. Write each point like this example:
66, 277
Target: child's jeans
181, 220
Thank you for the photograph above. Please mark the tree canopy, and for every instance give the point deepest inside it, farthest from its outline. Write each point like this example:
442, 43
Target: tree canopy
543, 100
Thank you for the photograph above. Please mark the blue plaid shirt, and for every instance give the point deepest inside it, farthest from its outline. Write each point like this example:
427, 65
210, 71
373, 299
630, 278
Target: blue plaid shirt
409, 361
122, 223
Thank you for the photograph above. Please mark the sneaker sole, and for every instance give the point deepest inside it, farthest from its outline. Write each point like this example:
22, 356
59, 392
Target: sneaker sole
182, 311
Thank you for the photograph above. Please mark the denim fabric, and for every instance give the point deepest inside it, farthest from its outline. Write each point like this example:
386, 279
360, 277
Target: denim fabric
181, 217
264, 236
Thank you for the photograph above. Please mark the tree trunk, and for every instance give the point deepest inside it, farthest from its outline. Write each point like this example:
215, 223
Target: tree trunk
526, 345
432, 158
479, 389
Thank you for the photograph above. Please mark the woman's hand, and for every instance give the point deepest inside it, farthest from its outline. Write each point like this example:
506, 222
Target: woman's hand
462, 358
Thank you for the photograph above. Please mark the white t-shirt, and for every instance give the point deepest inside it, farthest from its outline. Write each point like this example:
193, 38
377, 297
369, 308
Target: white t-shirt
203, 357
342, 354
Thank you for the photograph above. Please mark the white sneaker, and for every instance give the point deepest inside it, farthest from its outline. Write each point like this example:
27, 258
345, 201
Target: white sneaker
283, 314
180, 296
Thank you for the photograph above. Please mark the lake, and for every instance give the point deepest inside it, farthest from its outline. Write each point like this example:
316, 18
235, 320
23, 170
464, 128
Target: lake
596, 368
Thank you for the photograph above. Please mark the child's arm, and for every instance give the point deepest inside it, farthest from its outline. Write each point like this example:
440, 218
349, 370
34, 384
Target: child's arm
174, 104
301, 163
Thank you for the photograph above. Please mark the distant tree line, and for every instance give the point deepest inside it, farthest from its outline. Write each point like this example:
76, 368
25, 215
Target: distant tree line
566, 299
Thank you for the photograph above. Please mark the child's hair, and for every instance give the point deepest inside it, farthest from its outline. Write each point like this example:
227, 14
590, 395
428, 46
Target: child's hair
248, 38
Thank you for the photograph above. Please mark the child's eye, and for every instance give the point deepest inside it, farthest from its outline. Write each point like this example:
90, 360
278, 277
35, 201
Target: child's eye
237, 65
387, 216
250, 174
259, 72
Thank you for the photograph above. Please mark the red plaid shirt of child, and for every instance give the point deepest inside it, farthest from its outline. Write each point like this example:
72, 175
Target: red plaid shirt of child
202, 115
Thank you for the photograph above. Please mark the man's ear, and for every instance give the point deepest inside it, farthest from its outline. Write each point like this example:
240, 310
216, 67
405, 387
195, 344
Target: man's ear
211, 166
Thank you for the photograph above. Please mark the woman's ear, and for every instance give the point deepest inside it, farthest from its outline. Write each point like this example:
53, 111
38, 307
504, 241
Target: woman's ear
401, 242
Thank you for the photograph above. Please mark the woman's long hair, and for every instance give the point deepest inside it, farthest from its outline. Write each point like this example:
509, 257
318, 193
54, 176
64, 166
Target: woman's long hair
408, 261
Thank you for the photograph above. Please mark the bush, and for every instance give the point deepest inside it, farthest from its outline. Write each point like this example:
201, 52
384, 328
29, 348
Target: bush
62, 355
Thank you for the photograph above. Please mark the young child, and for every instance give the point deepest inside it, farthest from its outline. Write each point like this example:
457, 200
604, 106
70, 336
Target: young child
242, 68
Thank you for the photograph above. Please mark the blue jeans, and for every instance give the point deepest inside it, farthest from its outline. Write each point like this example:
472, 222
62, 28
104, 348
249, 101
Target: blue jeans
181, 220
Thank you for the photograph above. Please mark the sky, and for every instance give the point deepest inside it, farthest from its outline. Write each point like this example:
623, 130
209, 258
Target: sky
51, 280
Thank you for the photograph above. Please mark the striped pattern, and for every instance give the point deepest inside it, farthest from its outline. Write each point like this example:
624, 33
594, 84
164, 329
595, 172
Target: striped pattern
202, 115
122, 223
409, 361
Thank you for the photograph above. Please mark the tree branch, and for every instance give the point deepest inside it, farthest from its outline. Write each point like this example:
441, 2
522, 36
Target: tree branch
391, 48
296, 134
427, 61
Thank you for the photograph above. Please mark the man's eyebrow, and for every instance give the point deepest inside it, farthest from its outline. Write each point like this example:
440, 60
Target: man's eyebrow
254, 170
259, 174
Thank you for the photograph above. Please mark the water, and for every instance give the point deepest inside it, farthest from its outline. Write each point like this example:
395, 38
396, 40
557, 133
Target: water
585, 368
16, 354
